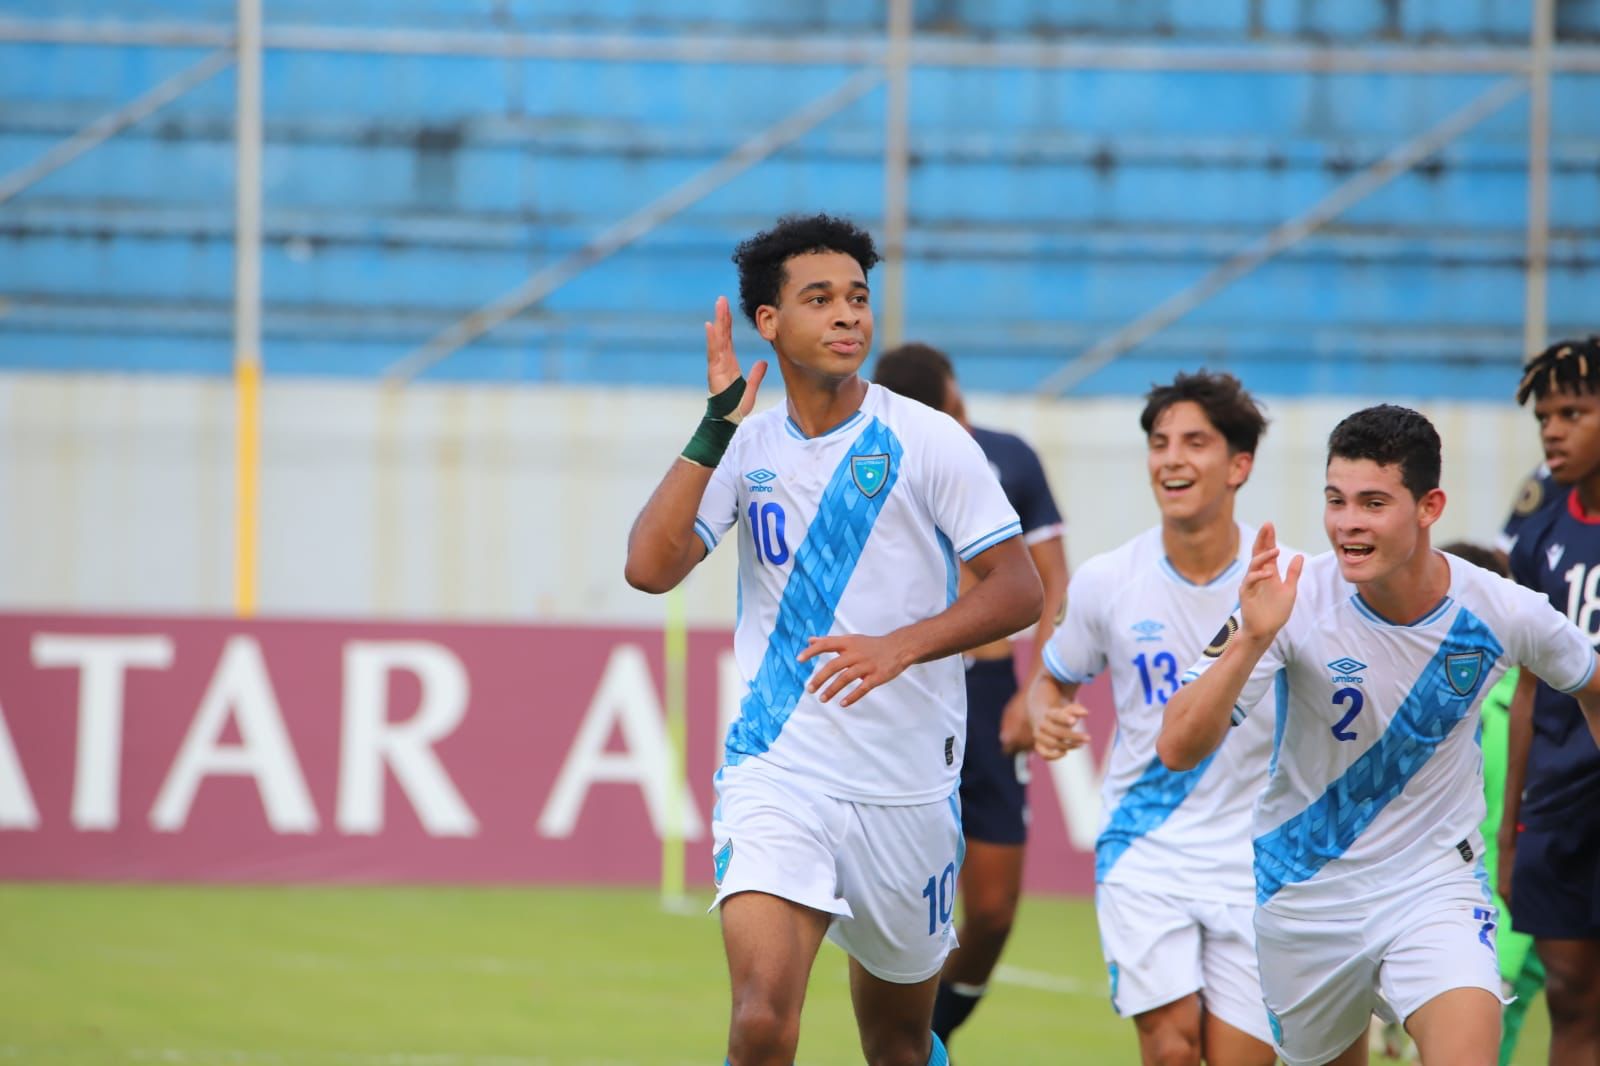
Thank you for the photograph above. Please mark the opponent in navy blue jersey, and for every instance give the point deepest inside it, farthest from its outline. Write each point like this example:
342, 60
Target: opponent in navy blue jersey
1538, 492
994, 776
1550, 832
836, 815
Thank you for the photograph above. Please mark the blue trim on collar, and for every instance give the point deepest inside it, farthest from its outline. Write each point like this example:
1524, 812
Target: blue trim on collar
1372, 615
799, 434
1172, 572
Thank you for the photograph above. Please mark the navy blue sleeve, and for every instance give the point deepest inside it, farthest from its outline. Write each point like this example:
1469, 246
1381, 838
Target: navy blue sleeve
1523, 558
1538, 492
1035, 504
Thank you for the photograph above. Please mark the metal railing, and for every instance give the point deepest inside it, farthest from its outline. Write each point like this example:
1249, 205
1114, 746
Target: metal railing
888, 60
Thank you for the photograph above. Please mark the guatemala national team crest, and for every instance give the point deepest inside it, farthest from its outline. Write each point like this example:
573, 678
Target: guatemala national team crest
871, 472
1462, 669
720, 860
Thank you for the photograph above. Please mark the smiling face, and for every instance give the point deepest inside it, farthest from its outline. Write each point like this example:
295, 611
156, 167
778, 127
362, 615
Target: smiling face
1569, 430
1192, 471
1374, 524
822, 323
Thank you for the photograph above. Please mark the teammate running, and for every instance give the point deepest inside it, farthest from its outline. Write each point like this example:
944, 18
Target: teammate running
1370, 889
1173, 888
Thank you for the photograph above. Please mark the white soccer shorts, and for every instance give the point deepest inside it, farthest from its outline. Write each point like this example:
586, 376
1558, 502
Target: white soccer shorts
1160, 947
886, 874
1324, 977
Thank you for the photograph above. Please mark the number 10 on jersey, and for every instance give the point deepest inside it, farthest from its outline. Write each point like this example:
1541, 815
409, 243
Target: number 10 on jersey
766, 529
940, 892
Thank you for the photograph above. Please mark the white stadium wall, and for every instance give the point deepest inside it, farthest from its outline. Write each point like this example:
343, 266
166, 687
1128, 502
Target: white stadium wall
445, 501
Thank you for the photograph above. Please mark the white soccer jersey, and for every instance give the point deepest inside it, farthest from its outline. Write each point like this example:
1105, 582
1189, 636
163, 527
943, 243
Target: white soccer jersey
1184, 833
856, 531
1377, 779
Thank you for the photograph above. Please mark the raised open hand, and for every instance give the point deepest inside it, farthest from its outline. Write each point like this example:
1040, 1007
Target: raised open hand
722, 366
1266, 598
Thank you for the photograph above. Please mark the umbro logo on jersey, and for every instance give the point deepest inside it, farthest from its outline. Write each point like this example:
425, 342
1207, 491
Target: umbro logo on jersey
1345, 670
1149, 629
1553, 553
758, 480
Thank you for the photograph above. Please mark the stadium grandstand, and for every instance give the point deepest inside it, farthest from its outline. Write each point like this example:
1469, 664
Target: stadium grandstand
341, 344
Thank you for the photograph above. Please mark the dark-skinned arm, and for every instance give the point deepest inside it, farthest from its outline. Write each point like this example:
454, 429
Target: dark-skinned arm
1050, 559
1519, 738
1588, 698
662, 545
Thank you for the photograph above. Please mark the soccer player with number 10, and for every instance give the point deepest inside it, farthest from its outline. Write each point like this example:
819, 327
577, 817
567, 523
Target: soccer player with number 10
836, 807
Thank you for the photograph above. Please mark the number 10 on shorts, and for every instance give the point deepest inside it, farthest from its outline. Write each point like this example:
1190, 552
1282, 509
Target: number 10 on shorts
940, 892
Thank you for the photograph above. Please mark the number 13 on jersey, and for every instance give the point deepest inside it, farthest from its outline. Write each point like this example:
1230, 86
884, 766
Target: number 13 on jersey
1160, 668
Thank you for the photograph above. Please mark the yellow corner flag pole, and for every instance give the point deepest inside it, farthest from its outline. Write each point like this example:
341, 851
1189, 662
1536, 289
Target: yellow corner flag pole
675, 648
247, 465
247, 306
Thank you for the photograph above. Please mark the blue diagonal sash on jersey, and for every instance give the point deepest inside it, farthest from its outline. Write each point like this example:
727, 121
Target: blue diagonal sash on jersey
823, 564
1296, 850
1148, 802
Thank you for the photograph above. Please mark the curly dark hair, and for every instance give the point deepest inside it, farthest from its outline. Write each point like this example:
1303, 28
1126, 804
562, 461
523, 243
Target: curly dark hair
918, 371
1390, 435
761, 258
1570, 366
1232, 410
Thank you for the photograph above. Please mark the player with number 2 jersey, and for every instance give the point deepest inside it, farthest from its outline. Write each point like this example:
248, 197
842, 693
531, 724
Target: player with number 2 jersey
1370, 890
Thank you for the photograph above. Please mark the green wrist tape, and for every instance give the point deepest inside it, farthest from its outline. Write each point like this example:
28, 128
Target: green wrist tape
716, 429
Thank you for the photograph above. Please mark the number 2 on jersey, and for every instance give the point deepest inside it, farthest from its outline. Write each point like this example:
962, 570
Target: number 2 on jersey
1168, 665
766, 528
1352, 696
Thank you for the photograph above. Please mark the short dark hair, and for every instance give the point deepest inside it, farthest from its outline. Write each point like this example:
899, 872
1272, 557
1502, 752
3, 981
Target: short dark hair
1391, 435
918, 371
1232, 410
1477, 555
761, 259
1572, 366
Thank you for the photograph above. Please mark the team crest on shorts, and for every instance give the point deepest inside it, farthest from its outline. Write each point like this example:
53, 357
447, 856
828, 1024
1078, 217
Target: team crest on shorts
720, 860
871, 473
1462, 669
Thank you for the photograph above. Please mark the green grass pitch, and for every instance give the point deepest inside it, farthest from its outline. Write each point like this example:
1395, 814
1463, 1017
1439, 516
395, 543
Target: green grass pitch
469, 977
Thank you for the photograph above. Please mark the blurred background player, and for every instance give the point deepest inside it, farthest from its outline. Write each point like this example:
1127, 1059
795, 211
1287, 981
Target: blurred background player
1521, 975
1550, 836
1173, 889
1537, 491
1369, 880
994, 775
841, 820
